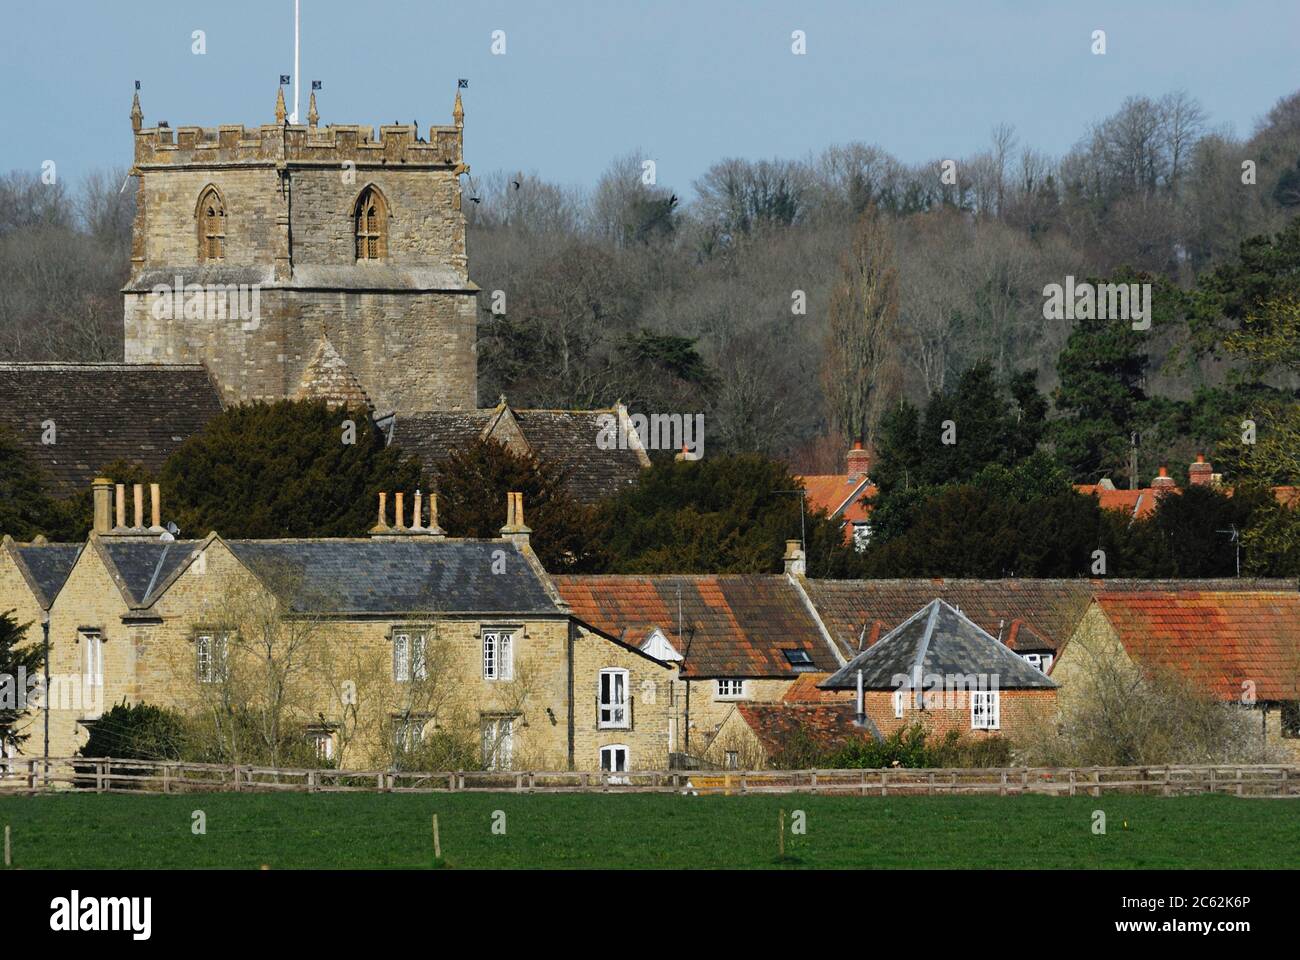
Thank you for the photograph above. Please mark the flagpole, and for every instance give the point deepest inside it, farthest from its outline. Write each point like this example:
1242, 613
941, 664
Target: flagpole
294, 118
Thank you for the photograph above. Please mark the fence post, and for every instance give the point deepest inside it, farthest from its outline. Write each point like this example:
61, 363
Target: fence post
234, 769
884, 776
813, 781
167, 777
1239, 782
31, 775
1096, 779
99, 776
1003, 791
864, 782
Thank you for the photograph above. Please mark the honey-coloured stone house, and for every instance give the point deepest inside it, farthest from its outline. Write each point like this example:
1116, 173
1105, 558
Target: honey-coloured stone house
409, 630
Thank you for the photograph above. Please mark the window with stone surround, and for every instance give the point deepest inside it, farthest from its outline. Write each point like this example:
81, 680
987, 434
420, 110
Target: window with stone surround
613, 701
371, 220
498, 655
212, 225
211, 656
498, 742
613, 758
409, 655
729, 689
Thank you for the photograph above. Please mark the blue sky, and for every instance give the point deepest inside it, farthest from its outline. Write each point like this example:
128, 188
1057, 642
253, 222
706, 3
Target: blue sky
686, 83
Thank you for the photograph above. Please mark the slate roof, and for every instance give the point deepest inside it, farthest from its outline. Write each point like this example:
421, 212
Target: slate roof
143, 566
940, 640
398, 576
566, 438
1032, 615
48, 566
828, 725
1219, 640
103, 412
733, 625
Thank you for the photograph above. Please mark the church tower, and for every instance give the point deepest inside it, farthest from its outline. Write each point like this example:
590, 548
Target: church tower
294, 258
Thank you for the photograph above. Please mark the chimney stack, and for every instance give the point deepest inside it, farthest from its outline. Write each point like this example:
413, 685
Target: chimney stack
1163, 481
515, 529
102, 498
434, 530
795, 562
858, 461
155, 502
381, 525
120, 525
137, 491
416, 519
399, 528
1200, 473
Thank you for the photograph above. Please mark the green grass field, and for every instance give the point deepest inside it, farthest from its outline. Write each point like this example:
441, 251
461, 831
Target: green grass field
647, 831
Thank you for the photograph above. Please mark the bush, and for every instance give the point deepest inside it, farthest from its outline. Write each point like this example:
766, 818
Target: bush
137, 732
911, 746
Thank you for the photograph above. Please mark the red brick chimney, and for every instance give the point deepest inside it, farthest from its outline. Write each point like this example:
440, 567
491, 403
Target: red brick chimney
858, 461
1163, 481
1200, 473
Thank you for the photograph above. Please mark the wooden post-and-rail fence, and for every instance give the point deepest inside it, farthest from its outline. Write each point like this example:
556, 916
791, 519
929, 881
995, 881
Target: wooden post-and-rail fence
107, 775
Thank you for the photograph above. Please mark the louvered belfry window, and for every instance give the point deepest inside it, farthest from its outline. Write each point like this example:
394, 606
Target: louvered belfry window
371, 223
212, 226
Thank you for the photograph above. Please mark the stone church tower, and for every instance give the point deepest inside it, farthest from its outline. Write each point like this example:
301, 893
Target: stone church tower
299, 260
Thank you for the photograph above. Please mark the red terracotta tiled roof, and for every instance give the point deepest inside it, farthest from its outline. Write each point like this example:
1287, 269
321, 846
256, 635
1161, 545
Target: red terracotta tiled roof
1136, 503
1029, 614
805, 690
828, 725
840, 495
1219, 640
732, 626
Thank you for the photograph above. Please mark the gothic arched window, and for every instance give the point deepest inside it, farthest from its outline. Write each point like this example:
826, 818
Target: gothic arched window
212, 225
371, 225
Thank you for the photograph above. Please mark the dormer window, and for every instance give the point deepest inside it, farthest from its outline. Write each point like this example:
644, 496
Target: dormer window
371, 218
212, 226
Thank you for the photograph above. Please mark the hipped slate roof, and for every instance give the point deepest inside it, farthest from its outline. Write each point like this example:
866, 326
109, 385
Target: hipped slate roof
1218, 640
937, 639
566, 438
732, 626
398, 576
1031, 614
46, 566
103, 412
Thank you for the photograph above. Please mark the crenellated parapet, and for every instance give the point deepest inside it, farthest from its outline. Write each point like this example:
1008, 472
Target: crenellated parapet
283, 142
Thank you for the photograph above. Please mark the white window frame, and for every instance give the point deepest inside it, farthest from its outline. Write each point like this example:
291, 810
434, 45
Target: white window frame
409, 731
92, 657
731, 684
323, 740
732, 758
985, 709
612, 749
498, 654
217, 645
410, 650
615, 713
900, 702
498, 736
